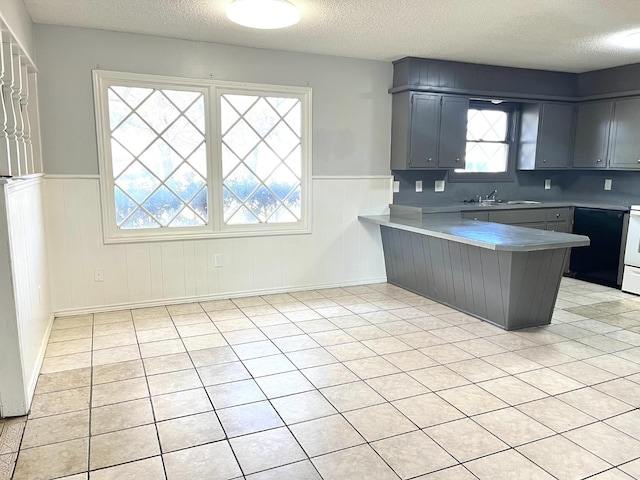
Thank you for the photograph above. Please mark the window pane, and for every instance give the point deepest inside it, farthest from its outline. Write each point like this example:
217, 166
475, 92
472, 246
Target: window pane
485, 157
262, 160
158, 111
487, 125
158, 157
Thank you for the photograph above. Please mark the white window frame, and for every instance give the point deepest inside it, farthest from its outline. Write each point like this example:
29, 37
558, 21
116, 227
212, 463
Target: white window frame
212, 90
512, 127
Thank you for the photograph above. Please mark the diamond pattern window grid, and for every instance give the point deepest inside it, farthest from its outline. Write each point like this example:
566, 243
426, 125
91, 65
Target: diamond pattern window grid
158, 157
487, 144
261, 159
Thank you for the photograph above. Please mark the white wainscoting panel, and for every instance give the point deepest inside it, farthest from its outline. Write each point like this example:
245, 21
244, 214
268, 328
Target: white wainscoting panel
340, 251
26, 315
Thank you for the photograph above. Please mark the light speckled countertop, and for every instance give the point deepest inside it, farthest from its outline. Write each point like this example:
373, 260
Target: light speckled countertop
493, 236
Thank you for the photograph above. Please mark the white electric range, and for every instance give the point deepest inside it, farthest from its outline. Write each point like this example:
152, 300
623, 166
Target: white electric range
631, 276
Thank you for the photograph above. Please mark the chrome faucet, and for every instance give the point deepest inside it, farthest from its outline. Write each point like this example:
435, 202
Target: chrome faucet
492, 195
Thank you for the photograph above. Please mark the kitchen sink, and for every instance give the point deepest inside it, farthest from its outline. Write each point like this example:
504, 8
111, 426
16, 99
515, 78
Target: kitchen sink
491, 203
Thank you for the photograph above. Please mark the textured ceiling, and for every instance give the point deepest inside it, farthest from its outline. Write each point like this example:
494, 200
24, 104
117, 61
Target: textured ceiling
565, 35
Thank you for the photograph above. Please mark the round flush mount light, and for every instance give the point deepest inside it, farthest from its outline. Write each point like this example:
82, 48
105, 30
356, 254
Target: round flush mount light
264, 14
629, 39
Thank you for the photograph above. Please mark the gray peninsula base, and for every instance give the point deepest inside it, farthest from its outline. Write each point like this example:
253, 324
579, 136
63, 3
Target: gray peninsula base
511, 289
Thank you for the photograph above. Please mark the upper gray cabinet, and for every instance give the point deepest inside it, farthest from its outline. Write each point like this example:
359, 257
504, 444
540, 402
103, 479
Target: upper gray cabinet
625, 134
592, 135
607, 135
453, 131
428, 131
546, 136
423, 131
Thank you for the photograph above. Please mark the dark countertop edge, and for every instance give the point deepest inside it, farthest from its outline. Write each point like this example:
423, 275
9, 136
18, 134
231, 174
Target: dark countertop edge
423, 227
465, 207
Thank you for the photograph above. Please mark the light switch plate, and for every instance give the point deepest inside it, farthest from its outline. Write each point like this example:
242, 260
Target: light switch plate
396, 186
607, 184
418, 186
439, 186
547, 184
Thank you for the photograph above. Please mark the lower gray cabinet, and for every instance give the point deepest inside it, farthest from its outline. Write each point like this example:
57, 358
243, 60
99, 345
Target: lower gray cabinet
481, 216
519, 216
561, 226
556, 219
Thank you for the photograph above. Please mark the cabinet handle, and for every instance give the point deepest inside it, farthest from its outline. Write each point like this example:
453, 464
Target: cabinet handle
457, 159
639, 160
557, 215
429, 159
544, 160
599, 160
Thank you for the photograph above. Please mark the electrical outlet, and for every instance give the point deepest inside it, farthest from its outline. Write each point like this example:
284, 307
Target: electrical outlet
396, 186
439, 186
97, 275
547, 184
607, 184
217, 260
418, 186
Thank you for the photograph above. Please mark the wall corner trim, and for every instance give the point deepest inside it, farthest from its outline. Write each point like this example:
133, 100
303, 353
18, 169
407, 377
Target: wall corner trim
33, 381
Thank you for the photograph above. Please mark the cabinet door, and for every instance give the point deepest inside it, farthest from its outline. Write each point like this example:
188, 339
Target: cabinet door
558, 226
481, 216
592, 135
555, 136
518, 216
536, 225
423, 148
625, 137
453, 132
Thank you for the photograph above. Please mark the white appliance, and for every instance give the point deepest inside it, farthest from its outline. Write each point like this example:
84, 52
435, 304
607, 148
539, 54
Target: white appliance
631, 276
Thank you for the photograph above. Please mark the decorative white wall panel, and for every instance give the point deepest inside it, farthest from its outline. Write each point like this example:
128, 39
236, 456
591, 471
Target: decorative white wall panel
340, 251
26, 312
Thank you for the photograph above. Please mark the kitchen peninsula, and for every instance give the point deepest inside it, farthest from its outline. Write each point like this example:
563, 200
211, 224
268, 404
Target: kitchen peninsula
506, 275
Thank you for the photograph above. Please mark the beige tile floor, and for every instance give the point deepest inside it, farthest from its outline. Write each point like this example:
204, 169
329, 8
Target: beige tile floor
370, 382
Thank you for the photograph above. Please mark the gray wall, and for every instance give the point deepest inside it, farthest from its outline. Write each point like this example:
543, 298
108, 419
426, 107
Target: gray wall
15, 14
526, 186
569, 185
351, 106
589, 186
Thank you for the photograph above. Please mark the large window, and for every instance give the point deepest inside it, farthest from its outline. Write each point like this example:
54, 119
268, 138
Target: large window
490, 130
201, 158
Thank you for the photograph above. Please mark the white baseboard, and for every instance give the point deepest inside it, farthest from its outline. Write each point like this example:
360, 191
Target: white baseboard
173, 301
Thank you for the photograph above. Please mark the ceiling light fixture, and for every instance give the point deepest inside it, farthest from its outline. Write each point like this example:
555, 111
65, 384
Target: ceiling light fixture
627, 39
264, 14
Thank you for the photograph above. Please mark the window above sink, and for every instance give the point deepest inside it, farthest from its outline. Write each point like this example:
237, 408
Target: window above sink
490, 147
